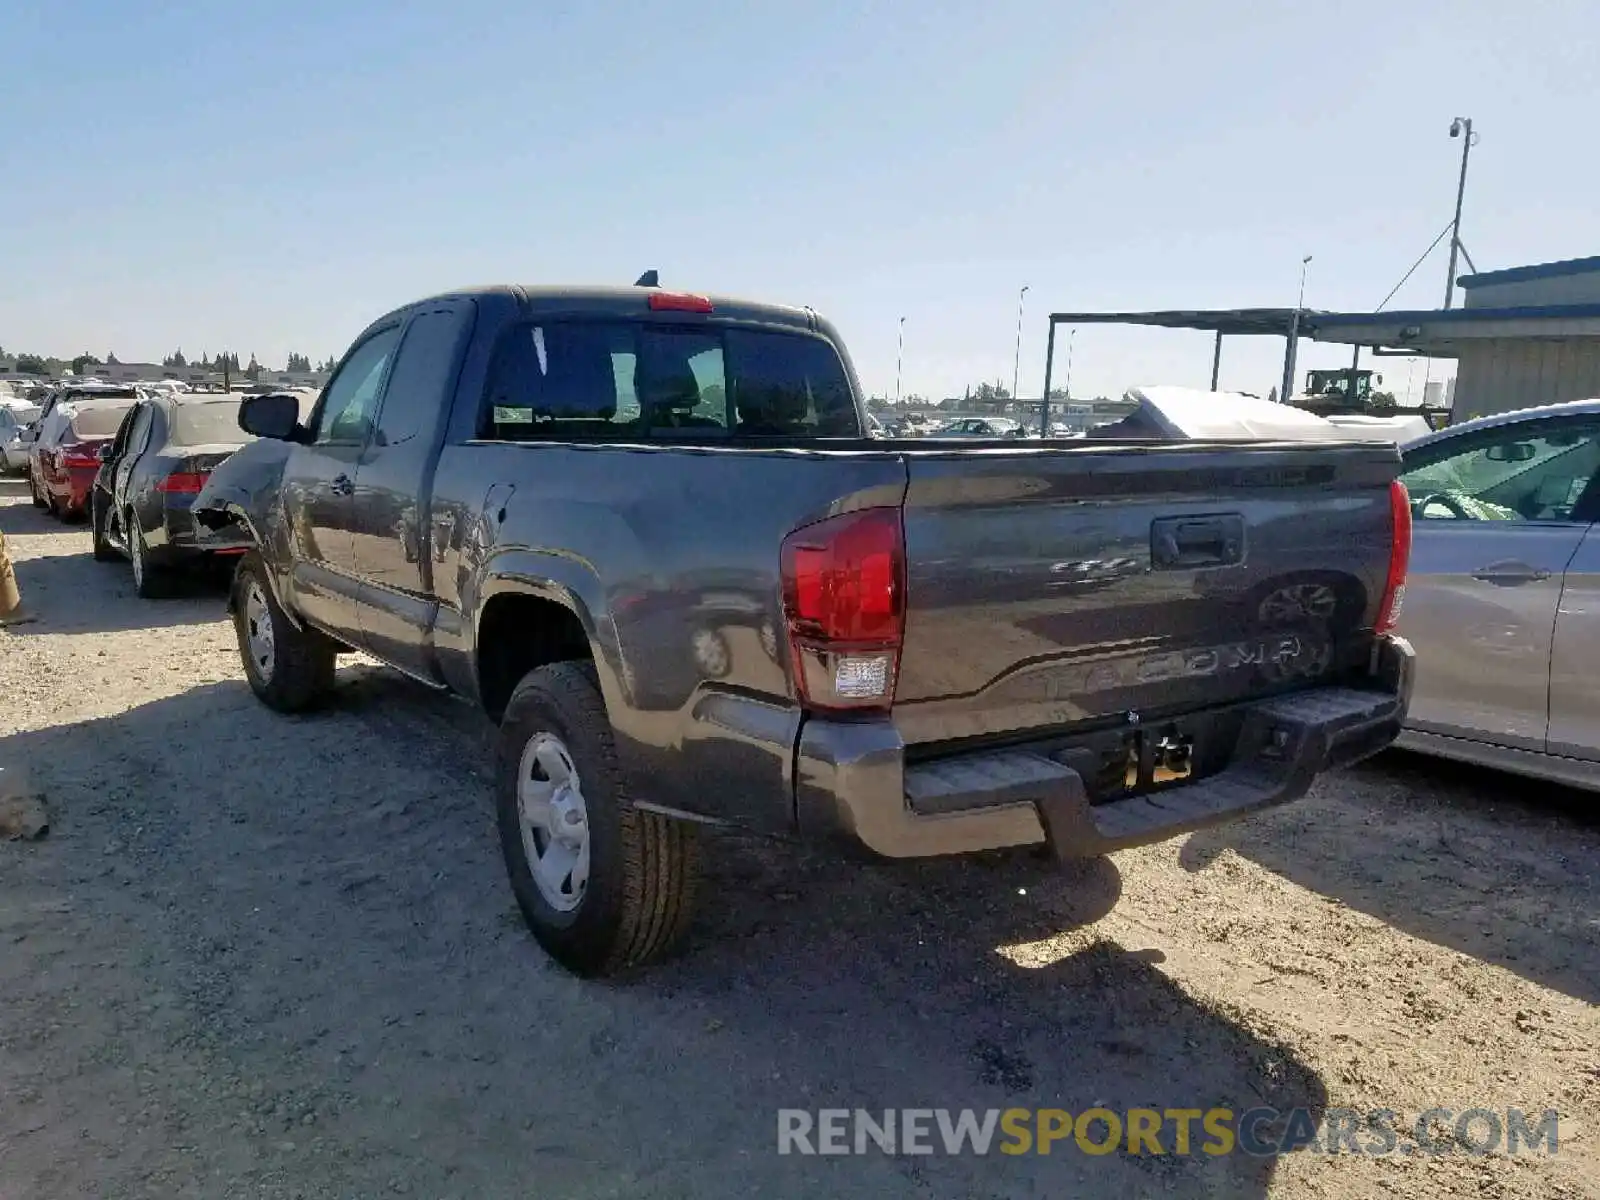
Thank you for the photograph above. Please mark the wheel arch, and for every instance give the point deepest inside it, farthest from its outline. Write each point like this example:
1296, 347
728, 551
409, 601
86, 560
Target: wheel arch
533, 610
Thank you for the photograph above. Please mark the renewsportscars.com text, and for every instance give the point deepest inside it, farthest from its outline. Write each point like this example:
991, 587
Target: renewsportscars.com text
1261, 1132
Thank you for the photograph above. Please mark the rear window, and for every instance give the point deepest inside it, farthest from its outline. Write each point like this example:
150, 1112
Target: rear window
207, 423
607, 380
100, 421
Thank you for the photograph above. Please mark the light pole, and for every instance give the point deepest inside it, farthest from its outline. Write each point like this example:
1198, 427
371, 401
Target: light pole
1016, 362
1292, 350
899, 359
1461, 128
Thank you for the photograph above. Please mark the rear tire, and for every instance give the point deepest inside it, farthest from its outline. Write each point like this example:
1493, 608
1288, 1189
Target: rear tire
636, 900
34, 493
104, 551
288, 669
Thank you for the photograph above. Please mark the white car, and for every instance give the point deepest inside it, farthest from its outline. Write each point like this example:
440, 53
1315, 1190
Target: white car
14, 414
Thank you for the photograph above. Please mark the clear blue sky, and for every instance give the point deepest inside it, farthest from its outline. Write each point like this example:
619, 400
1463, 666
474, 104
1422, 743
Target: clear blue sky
268, 177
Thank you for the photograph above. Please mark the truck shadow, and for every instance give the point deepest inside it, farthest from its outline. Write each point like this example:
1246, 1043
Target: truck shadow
1496, 867
330, 907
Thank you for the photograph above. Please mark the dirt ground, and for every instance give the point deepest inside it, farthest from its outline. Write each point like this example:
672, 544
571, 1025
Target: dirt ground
271, 957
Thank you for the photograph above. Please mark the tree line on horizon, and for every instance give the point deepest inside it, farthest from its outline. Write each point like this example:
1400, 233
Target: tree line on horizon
228, 361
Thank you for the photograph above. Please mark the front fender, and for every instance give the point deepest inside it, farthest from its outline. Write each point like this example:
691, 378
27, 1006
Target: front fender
247, 490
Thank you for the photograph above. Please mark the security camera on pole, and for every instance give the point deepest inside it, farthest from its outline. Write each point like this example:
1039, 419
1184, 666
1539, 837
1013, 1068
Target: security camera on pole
1461, 128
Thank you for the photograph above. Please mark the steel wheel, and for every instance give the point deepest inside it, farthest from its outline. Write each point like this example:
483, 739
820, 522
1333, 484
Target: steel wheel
554, 821
258, 632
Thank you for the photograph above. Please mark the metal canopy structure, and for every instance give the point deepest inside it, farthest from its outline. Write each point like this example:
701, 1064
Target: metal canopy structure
1233, 322
1287, 323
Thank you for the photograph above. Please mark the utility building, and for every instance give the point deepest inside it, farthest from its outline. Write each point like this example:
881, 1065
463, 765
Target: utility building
1522, 337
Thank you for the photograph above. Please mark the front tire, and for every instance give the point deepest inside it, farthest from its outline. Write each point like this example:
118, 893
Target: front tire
602, 885
288, 669
104, 551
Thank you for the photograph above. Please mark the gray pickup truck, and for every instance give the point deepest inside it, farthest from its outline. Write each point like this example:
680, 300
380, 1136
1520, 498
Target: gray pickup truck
645, 531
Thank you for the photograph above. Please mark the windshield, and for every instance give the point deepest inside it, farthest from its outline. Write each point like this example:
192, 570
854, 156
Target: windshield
100, 421
210, 422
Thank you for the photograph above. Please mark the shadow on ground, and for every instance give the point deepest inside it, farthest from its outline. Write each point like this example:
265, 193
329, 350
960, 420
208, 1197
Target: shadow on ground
69, 593
325, 896
1498, 867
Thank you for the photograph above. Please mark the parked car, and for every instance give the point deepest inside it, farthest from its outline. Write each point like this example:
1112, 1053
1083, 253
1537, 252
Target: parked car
1503, 603
15, 416
980, 427
530, 496
150, 473
64, 456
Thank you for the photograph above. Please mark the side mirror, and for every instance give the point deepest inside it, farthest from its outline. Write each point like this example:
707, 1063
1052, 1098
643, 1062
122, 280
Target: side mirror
275, 415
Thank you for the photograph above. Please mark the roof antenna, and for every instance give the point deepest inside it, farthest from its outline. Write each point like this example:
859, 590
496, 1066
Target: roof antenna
648, 279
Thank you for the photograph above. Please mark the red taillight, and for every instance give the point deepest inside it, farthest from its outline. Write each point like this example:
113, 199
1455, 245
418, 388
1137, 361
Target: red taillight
844, 602
79, 458
1394, 588
679, 302
183, 483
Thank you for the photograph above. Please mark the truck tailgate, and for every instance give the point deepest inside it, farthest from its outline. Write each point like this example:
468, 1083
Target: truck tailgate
1055, 586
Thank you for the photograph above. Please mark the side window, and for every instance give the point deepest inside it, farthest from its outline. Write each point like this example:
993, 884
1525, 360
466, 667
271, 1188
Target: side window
351, 400
124, 438
562, 379
1535, 473
139, 438
424, 370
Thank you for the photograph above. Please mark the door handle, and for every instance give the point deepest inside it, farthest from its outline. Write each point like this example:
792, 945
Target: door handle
342, 485
1510, 573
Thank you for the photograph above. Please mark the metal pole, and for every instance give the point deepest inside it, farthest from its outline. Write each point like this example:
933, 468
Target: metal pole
1290, 350
1049, 368
1455, 225
1355, 364
1216, 361
1066, 384
1016, 362
899, 359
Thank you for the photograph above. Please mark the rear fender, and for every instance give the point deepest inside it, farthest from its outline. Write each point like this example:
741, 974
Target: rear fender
567, 582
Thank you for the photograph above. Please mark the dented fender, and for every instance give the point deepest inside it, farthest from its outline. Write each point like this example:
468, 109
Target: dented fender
247, 490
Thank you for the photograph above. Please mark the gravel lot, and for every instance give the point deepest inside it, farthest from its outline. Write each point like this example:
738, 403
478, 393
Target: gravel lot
271, 957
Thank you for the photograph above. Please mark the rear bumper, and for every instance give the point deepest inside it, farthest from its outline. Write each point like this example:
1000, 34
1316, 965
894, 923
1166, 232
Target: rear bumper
181, 536
853, 778
71, 488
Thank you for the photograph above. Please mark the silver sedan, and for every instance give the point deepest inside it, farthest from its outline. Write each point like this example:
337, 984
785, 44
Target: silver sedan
1503, 599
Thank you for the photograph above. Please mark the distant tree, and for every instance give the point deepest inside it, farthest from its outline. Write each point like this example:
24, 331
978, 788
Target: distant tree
32, 364
297, 362
253, 371
175, 359
82, 361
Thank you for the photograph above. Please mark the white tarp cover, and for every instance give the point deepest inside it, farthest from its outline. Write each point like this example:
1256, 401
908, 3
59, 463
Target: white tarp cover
1182, 412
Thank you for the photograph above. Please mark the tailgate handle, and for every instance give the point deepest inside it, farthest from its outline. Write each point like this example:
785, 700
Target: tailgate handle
1216, 541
